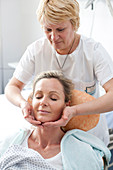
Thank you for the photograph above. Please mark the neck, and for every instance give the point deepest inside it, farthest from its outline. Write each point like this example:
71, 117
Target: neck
47, 136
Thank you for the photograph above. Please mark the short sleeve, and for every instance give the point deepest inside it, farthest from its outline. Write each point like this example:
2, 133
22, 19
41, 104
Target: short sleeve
25, 68
103, 64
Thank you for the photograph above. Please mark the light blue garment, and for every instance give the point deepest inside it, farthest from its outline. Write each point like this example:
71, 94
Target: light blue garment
80, 150
83, 151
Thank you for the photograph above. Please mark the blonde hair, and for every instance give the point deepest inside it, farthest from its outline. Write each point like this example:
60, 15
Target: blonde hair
67, 84
55, 11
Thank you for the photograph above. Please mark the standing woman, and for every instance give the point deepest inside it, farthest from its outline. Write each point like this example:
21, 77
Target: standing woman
79, 58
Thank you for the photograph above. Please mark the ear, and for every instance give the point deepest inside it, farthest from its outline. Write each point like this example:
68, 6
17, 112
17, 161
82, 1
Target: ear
83, 122
68, 103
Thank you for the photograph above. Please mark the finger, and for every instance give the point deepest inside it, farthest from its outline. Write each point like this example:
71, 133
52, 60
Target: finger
58, 123
33, 122
27, 113
28, 116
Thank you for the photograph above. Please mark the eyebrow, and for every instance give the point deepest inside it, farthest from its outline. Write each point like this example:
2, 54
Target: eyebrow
54, 92
38, 91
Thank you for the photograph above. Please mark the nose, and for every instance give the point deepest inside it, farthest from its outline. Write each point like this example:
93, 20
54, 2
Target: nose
54, 36
44, 102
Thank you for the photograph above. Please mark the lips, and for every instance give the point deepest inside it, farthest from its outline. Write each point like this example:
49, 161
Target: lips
43, 111
56, 42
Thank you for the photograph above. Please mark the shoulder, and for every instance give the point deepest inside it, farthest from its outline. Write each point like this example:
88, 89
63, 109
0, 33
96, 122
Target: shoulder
41, 43
89, 42
92, 49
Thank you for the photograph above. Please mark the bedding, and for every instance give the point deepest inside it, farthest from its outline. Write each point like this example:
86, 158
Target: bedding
11, 117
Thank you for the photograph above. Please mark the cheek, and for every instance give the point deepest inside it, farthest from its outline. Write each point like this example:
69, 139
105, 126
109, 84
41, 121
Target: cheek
35, 105
66, 38
35, 113
59, 109
34, 110
69, 34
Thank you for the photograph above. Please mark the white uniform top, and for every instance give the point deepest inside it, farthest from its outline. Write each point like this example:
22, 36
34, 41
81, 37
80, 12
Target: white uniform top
88, 65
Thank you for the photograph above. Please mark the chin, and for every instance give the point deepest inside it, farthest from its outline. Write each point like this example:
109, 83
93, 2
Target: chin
57, 46
47, 120
43, 120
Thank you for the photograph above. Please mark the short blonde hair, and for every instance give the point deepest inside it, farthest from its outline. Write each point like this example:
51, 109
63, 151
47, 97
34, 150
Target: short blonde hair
67, 84
55, 11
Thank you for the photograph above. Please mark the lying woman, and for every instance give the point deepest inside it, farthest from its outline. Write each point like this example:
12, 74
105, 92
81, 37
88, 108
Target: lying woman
45, 147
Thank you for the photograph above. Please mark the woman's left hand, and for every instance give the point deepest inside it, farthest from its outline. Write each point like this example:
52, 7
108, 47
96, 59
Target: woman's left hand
67, 114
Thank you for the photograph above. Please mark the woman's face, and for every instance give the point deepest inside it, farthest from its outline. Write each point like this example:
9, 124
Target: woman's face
60, 35
48, 100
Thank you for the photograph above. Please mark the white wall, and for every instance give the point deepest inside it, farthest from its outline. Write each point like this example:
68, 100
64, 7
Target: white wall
102, 21
19, 27
0, 53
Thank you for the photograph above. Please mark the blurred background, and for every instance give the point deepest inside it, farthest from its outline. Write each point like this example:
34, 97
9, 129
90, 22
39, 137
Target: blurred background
19, 27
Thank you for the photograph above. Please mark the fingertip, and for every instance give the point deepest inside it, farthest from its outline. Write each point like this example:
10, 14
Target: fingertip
30, 111
40, 123
65, 117
25, 116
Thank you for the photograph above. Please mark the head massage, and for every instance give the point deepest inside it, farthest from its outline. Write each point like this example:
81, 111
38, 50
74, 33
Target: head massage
69, 69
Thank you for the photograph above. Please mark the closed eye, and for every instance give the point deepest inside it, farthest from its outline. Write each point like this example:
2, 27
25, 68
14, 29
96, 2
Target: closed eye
37, 97
49, 30
54, 99
60, 30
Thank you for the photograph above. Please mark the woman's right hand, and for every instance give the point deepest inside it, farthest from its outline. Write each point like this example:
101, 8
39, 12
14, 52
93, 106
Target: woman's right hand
27, 111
